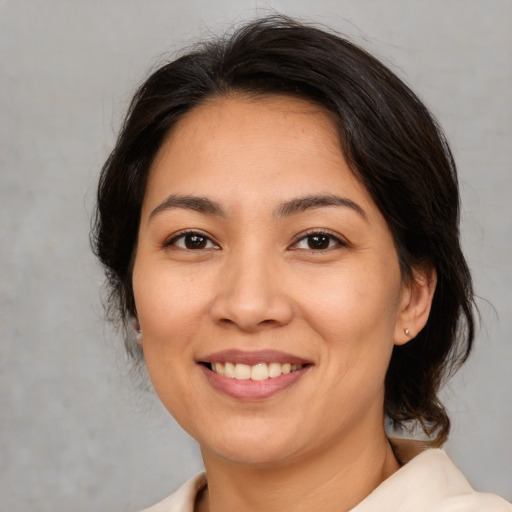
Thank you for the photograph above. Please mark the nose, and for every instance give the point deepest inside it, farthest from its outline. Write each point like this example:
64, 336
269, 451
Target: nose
251, 295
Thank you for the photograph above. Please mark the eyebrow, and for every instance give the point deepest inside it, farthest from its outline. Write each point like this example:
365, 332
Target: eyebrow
294, 206
194, 203
302, 204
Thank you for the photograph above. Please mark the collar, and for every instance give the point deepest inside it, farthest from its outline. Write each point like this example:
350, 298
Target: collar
427, 478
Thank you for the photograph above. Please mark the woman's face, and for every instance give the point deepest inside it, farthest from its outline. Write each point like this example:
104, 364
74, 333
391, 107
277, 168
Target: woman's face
259, 253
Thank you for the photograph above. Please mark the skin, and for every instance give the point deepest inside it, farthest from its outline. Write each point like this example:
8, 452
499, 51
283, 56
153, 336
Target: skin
256, 283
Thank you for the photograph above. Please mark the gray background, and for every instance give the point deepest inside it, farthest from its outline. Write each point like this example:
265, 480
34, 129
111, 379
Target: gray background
75, 432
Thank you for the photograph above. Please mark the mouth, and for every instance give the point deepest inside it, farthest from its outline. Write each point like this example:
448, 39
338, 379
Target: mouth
253, 375
257, 372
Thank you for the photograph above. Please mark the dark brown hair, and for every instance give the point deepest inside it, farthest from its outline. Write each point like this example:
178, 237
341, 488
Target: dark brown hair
391, 141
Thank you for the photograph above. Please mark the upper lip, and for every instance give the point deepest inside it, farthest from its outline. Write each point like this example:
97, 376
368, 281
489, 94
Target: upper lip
253, 357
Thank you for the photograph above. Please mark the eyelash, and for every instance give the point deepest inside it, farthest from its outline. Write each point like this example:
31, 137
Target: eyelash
318, 233
183, 235
310, 234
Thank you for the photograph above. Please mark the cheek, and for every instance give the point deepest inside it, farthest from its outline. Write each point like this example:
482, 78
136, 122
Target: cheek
168, 309
168, 303
355, 304
356, 318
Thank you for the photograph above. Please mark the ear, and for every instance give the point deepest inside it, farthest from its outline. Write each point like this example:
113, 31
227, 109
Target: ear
415, 304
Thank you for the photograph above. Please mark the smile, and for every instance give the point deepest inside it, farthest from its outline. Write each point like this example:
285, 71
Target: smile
254, 375
257, 372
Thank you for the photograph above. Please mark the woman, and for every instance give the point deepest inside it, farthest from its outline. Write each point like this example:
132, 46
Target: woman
279, 227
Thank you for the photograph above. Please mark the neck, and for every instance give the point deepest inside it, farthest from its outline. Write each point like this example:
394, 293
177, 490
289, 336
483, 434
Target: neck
334, 479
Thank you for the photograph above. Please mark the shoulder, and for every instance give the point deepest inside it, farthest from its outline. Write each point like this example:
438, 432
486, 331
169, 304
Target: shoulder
475, 502
183, 499
428, 482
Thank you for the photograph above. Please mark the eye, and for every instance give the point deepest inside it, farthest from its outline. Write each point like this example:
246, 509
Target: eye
318, 241
191, 240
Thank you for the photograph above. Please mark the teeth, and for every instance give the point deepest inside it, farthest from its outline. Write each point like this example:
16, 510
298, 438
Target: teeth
229, 369
242, 372
260, 371
274, 369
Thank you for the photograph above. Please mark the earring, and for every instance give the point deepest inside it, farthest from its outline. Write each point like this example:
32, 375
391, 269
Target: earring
407, 332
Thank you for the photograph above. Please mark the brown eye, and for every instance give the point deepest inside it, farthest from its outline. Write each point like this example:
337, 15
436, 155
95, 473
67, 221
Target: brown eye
192, 241
318, 241
195, 241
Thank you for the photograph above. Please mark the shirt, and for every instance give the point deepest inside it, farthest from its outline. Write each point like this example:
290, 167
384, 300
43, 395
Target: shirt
428, 482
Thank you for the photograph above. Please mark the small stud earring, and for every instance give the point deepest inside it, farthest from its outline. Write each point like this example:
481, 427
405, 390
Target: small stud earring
137, 328
407, 332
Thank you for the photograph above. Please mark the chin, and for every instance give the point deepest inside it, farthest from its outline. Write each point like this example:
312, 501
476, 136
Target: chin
252, 449
255, 456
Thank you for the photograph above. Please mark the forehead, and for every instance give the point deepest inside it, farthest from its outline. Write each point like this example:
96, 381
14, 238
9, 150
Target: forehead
246, 147
274, 120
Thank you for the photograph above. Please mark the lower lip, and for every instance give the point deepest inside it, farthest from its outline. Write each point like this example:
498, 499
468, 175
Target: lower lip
252, 389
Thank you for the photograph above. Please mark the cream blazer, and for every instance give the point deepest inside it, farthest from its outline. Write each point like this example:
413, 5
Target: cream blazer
427, 482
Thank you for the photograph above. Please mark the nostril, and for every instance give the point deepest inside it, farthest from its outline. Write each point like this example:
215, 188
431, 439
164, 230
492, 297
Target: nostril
226, 322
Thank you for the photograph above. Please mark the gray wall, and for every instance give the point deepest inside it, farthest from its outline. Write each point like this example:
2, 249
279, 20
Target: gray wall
75, 433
